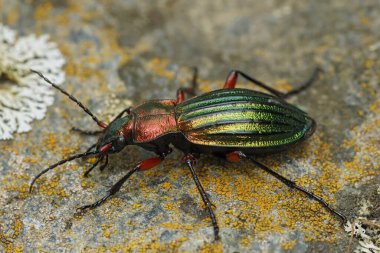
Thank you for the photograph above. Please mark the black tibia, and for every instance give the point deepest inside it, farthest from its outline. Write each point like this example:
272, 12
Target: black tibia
189, 159
114, 189
275, 92
293, 185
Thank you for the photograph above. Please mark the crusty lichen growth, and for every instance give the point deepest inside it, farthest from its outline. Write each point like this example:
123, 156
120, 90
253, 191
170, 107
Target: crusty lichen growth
24, 97
246, 199
364, 140
7, 239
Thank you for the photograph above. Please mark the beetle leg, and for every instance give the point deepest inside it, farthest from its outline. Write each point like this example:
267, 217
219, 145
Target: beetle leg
189, 159
127, 110
234, 156
143, 165
233, 75
104, 165
93, 166
189, 90
293, 185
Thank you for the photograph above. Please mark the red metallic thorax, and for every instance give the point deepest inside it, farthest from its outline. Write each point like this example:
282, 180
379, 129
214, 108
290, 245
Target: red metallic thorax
153, 119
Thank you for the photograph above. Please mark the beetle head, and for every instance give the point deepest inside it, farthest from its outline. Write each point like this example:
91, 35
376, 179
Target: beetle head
115, 136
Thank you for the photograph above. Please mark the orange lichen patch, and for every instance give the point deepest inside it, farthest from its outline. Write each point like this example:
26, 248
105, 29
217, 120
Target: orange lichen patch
116, 202
91, 160
166, 185
177, 226
283, 85
42, 11
159, 67
7, 241
135, 206
143, 243
107, 230
84, 59
244, 242
211, 248
368, 63
364, 21
12, 16
288, 245
29, 160
50, 141
16, 181
86, 184
374, 107
171, 206
365, 142
360, 113
49, 187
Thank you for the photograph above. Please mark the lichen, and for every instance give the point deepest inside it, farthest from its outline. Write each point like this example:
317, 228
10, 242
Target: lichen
23, 96
368, 233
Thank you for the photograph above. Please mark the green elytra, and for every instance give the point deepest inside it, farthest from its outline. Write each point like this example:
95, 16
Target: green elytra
243, 118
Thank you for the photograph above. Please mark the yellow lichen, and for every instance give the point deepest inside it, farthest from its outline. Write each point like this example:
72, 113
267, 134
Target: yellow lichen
42, 11
50, 141
282, 85
211, 248
7, 241
261, 205
166, 185
288, 245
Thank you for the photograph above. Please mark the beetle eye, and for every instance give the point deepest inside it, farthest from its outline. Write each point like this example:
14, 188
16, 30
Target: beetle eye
119, 144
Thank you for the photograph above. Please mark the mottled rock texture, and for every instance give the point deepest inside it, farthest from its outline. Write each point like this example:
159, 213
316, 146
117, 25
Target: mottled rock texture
120, 53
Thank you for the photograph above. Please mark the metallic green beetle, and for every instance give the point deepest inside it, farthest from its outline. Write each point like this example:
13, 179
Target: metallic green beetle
230, 122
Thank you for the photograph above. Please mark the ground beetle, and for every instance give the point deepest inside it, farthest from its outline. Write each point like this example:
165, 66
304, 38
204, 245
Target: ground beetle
230, 122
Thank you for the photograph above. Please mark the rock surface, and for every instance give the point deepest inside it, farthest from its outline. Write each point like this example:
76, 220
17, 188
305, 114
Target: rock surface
120, 53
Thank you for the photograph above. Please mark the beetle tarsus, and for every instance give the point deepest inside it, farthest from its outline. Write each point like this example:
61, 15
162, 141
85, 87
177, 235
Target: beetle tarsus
305, 85
95, 204
189, 159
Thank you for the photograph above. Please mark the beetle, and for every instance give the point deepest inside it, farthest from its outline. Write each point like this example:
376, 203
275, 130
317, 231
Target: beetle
231, 122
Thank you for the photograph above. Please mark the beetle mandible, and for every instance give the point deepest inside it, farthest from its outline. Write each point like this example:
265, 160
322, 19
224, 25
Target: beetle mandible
231, 122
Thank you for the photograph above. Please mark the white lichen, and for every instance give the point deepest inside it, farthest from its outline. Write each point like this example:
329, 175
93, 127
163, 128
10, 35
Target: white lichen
24, 96
368, 234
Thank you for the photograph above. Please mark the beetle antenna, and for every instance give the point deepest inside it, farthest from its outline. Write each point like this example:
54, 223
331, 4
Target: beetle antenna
70, 158
100, 123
